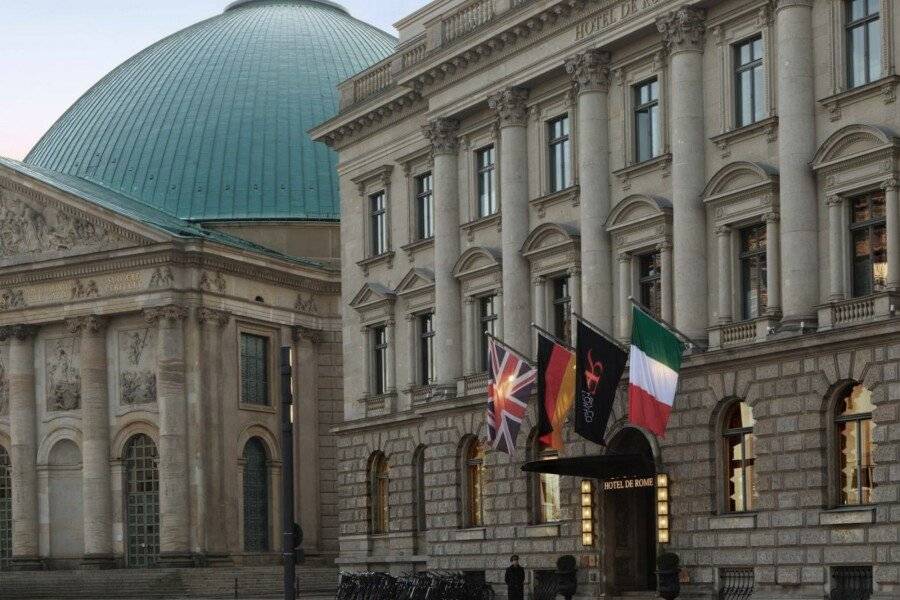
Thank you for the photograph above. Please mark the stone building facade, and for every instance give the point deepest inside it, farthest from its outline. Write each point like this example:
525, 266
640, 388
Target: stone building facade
140, 399
733, 165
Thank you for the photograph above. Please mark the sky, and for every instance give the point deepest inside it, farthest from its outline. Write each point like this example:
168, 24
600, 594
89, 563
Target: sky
52, 51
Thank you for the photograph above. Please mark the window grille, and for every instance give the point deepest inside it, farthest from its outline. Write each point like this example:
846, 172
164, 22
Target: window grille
851, 583
5, 509
254, 369
736, 583
256, 497
142, 501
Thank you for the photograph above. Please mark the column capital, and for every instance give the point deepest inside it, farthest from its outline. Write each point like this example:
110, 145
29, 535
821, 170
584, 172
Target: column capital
18, 332
772, 217
211, 316
624, 257
300, 333
442, 133
590, 71
723, 230
835, 200
779, 4
683, 29
88, 325
890, 185
172, 313
665, 245
509, 104
538, 280
574, 271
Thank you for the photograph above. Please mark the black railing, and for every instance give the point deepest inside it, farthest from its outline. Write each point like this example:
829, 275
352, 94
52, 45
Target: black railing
851, 583
427, 585
735, 583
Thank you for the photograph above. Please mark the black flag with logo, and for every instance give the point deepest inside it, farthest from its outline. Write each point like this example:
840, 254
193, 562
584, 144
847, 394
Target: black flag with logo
599, 366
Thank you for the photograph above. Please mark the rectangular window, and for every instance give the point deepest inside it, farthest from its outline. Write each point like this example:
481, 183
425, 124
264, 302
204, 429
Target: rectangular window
560, 154
254, 369
562, 309
379, 360
869, 238
487, 193
854, 582
425, 206
650, 281
754, 291
863, 42
378, 220
487, 321
749, 82
647, 141
426, 349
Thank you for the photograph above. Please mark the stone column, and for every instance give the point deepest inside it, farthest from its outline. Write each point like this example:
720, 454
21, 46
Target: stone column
540, 300
471, 340
510, 107
197, 431
590, 72
212, 323
625, 289
665, 258
23, 446
723, 235
796, 148
683, 32
447, 319
773, 265
307, 465
892, 224
96, 473
835, 249
174, 499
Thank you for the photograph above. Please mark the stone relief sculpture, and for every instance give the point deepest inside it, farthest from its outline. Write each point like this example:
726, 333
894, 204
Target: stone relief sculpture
307, 305
4, 381
162, 277
137, 378
82, 290
208, 282
32, 226
63, 377
11, 298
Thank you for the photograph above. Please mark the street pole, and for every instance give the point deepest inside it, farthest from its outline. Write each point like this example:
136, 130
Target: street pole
287, 475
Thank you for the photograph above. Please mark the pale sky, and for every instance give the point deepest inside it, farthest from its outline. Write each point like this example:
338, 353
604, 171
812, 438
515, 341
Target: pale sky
52, 51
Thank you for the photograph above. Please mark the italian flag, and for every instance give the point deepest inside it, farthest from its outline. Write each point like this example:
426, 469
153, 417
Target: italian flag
655, 360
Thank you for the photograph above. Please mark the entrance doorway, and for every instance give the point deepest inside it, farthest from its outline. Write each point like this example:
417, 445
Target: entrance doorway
630, 524
142, 501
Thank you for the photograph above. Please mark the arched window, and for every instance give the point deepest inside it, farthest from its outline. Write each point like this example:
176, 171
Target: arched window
5, 509
473, 483
256, 496
379, 479
853, 430
545, 487
142, 501
419, 521
740, 454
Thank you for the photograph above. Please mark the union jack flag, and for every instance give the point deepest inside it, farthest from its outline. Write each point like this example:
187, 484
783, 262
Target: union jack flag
510, 385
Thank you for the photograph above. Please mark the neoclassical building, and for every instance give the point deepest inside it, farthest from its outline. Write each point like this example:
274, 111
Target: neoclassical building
166, 238
733, 165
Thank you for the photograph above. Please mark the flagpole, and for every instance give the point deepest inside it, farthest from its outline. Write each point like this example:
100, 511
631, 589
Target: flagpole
600, 332
672, 328
552, 337
515, 351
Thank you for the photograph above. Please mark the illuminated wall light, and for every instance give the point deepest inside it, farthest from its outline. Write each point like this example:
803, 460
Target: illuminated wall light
587, 512
662, 508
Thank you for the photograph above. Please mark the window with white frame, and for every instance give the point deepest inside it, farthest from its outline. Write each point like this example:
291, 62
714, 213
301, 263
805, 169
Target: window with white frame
487, 323
485, 174
647, 139
559, 154
424, 206
749, 82
868, 236
378, 223
863, 41
379, 350
752, 257
426, 349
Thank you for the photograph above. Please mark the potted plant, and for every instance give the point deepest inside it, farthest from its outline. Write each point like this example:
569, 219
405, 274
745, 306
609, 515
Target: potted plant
668, 567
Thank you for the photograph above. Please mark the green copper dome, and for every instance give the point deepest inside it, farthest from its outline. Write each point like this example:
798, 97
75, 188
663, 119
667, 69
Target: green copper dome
211, 123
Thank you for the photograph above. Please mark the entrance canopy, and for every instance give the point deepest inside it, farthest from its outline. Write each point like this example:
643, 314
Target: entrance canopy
600, 466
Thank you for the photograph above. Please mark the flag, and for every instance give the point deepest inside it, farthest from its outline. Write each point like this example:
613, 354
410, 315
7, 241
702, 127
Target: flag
653, 376
556, 389
599, 368
510, 384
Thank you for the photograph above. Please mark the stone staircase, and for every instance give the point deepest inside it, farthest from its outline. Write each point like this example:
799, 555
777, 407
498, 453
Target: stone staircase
169, 584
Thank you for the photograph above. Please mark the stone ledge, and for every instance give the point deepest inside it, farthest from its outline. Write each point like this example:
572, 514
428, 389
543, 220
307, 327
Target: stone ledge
475, 533
856, 515
747, 521
539, 531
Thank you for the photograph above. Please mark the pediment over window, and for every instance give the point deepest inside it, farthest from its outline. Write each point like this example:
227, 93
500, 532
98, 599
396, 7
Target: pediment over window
416, 281
740, 178
856, 141
637, 209
372, 295
551, 238
477, 261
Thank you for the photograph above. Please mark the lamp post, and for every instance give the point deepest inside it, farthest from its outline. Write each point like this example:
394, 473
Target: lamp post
287, 476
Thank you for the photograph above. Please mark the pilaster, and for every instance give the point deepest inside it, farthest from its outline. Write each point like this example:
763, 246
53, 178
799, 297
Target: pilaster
307, 508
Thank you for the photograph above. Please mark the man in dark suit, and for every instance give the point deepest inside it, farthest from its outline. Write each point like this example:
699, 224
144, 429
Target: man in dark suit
515, 579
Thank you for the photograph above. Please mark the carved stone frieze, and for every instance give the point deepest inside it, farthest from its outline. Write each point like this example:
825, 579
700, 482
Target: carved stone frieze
171, 313
683, 29
162, 277
11, 298
137, 366
81, 290
34, 225
306, 304
510, 106
89, 325
590, 71
63, 374
443, 135
213, 281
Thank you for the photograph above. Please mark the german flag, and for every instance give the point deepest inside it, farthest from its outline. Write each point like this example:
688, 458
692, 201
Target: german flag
556, 389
